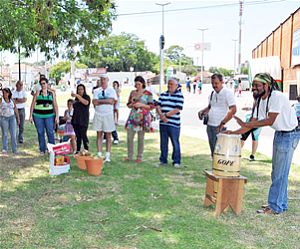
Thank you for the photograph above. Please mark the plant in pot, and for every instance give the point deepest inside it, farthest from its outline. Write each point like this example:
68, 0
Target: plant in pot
81, 159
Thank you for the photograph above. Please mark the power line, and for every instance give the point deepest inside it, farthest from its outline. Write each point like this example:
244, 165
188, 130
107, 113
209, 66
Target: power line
197, 8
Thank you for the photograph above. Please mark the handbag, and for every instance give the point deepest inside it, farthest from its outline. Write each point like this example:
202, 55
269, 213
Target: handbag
204, 117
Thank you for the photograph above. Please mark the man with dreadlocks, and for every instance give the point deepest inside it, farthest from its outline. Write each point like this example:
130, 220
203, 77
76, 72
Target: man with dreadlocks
273, 109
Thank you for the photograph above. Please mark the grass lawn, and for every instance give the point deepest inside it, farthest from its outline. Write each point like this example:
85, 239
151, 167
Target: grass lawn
136, 206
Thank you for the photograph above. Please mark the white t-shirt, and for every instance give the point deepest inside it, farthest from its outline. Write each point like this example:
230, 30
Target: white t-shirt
19, 95
219, 106
108, 93
286, 120
7, 109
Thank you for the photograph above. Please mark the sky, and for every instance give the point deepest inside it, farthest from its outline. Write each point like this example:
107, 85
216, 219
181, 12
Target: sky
260, 18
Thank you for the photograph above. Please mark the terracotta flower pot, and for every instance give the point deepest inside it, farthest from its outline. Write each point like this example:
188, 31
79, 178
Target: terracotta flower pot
94, 166
81, 161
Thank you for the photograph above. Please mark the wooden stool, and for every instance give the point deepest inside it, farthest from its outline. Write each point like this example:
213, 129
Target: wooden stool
224, 191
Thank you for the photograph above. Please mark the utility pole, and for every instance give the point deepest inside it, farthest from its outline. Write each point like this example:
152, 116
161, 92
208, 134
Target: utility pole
202, 52
161, 46
234, 58
240, 36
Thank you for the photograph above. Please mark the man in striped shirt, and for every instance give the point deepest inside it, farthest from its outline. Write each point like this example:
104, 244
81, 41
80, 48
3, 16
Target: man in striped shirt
170, 104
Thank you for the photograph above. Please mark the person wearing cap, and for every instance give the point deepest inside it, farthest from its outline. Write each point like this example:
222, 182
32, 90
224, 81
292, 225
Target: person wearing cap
103, 101
273, 109
20, 98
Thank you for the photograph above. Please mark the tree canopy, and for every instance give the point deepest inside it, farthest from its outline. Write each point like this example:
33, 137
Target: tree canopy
62, 67
120, 53
56, 27
175, 54
220, 70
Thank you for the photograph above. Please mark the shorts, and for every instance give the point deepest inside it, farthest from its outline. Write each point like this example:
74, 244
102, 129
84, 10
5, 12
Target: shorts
104, 123
254, 133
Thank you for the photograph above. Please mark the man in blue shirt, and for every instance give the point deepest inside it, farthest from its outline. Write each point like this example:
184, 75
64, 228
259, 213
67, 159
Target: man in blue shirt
170, 104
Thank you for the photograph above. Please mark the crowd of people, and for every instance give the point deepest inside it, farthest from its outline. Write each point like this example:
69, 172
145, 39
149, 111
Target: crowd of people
270, 108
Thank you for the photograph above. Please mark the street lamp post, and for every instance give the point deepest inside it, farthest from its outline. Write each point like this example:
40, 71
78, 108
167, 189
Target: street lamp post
240, 36
161, 46
202, 52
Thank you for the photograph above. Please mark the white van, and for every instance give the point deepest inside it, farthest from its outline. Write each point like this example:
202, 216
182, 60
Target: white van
244, 80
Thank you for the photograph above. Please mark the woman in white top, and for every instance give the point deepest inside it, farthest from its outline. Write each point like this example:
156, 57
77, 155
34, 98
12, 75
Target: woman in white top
9, 119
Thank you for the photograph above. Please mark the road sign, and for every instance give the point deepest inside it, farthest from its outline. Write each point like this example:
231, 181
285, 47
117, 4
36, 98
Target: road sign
206, 46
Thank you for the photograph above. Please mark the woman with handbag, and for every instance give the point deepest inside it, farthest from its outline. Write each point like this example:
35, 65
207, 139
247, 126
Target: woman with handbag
139, 121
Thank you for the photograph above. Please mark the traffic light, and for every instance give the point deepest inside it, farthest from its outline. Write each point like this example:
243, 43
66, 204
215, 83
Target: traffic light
161, 42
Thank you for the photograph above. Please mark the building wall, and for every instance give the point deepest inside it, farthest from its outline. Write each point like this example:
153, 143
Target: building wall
270, 45
279, 43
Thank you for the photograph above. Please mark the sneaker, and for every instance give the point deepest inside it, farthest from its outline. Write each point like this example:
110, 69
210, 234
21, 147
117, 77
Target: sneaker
4, 151
107, 160
116, 142
176, 165
99, 154
251, 158
138, 161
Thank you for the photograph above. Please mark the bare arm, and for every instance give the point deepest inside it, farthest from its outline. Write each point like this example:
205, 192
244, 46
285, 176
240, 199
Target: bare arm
109, 101
17, 113
129, 103
161, 115
230, 114
55, 108
32, 106
258, 123
81, 99
20, 101
172, 112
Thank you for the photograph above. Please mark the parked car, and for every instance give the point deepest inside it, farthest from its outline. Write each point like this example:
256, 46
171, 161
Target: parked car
244, 80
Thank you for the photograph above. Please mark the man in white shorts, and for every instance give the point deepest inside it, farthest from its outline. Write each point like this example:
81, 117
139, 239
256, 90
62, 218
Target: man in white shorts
103, 101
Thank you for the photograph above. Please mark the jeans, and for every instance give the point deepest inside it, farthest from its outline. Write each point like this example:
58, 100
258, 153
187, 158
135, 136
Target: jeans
41, 124
20, 135
212, 137
166, 132
9, 124
284, 145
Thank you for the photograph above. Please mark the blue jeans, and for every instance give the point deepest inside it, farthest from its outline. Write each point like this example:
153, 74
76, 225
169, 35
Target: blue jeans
41, 124
284, 145
173, 133
212, 137
9, 124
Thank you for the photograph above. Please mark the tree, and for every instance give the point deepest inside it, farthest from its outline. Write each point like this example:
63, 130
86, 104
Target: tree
56, 27
120, 53
63, 67
177, 57
221, 70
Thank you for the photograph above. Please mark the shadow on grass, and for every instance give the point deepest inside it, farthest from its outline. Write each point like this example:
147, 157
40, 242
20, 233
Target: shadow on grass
136, 205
